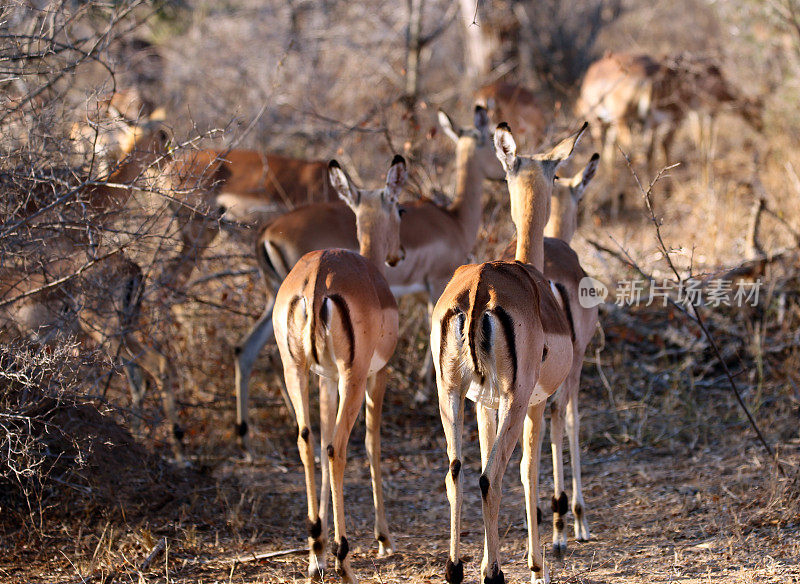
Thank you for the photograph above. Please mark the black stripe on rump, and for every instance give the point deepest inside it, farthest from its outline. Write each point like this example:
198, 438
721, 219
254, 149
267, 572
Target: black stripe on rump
567, 307
347, 323
507, 324
289, 321
475, 308
448, 315
284, 267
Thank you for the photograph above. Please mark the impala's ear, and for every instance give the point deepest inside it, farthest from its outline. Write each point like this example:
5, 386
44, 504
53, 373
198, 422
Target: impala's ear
481, 119
505, 147
449, 128
159, 115
581, 180
396, 178
561, 152
341, 184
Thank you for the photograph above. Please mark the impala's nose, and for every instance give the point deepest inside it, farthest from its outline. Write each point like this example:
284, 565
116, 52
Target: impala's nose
393, 260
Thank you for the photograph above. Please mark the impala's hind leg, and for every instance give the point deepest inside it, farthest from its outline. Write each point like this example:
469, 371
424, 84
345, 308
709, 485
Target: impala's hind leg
328, 398
376, 388
573, 427
560, 503
352, 387
297, 385
511, 415
529, 471
451, 410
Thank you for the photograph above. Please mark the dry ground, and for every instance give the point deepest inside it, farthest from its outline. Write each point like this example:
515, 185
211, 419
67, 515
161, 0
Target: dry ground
676, 487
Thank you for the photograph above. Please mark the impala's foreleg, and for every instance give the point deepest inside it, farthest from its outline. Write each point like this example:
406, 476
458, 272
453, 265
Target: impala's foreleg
487, 434
352, 387
162, 373
529, 473
328, 399
487, 431
376, 388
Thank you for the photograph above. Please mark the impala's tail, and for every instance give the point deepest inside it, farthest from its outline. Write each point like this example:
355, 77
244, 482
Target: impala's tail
272, 263
479, 345
321, 330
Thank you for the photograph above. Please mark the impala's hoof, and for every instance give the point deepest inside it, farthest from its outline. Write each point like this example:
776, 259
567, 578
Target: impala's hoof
581, 525
316, 569
540, 577
559, 550
385, 546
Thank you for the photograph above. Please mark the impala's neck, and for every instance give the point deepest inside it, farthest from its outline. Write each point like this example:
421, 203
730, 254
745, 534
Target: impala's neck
126, 172
563, 222
466, 205
530, 209
373, 250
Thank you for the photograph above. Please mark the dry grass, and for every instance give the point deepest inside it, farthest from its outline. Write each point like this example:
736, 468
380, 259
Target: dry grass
676, 486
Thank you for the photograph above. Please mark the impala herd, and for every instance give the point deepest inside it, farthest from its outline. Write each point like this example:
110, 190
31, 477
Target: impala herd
508, 334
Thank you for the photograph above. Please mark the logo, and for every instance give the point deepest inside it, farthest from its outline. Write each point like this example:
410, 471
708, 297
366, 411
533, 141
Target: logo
591, 292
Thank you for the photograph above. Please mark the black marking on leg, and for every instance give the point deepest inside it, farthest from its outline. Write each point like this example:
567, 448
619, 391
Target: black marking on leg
578, 511
237, 350
330, 450
177, 431
304, 433
483, 482
544, 353
558, 523
538, 515
317, 546
454, 573
241, 429
314, 528
382, 539
497, 576
455, 468
563, 503
342, 549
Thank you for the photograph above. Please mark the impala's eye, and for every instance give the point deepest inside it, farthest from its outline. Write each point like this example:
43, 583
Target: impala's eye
401, 211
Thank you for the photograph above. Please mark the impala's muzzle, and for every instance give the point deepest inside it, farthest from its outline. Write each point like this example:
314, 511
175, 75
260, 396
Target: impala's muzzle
393, 260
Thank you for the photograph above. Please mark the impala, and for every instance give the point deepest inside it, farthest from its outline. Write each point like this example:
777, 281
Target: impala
622, 91
436, 239
500, 336
108, 300
562, 267
243, 183
336, 316
102, 309
517, 105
